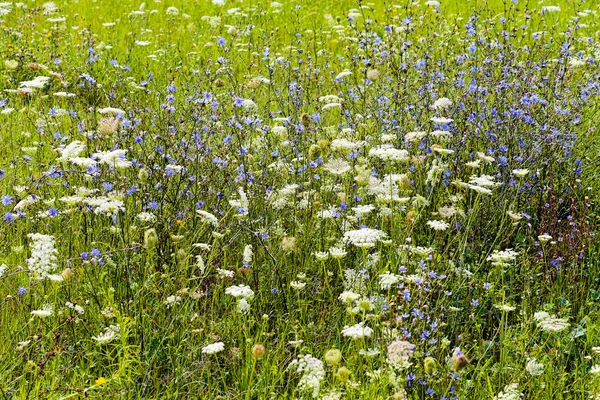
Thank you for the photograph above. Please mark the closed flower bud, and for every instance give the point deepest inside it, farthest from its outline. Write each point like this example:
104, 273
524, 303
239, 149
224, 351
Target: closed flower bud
181, 255
305, 119
343, 374
219, 83
459, 361
373, 74
67, 273
143, 176
314, 151
254, 83
430, 365
11, 64
323, 144
404, 182
258, 351
333, 357
150, 238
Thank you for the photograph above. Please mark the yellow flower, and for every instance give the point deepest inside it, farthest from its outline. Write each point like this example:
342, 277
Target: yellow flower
100, 381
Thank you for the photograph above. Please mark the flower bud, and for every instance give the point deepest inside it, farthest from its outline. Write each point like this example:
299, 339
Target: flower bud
258, 351
430, 365
459, 361
143, 176
333, 356
343, 374
150, 238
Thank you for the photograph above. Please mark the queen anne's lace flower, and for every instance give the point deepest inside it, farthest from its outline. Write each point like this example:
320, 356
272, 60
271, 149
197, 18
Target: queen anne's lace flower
213, 348
312, 371
43, 262
365, 237
357, 331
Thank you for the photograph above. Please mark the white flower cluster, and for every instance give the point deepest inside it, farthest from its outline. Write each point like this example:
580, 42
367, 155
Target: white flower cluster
357, 331
387, 280
365, 237
243, 294
213, 348
388, 153
550, 323
111, 332
207, 217
503, 257
399, 352
313, 373
42, 262
510, 392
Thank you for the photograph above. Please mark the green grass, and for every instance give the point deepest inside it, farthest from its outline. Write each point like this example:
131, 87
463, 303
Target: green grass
140, 282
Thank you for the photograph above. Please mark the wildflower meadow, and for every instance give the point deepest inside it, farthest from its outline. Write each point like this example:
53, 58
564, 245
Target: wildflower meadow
299, 199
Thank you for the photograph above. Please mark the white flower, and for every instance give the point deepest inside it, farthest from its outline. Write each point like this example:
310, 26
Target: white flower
510, 392
115, 158
43, 261
146, 217
3, 269
438, 225
297, 285
387, 280
343, 74
483, 180
207, 217
438, 134
365, 237
71, 150
441, 120
111, 110
553, 324
248, 254
330, 105
348, 296
242, 291
544, 238
337, 253
595, 370
388, 153
313, 373
225, 273
337, 167
541, 315
36, 83
46, 311
111, 332
520, 173
243, 306
363, 209
414, 136
357, 331
172, 11
514, 216
23, 344
441, 103
400, 351
83, 161
534, 368
370, 352
344, 145
550, 8
503, 257
213, 348
505, 307
321, 255
172, 300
